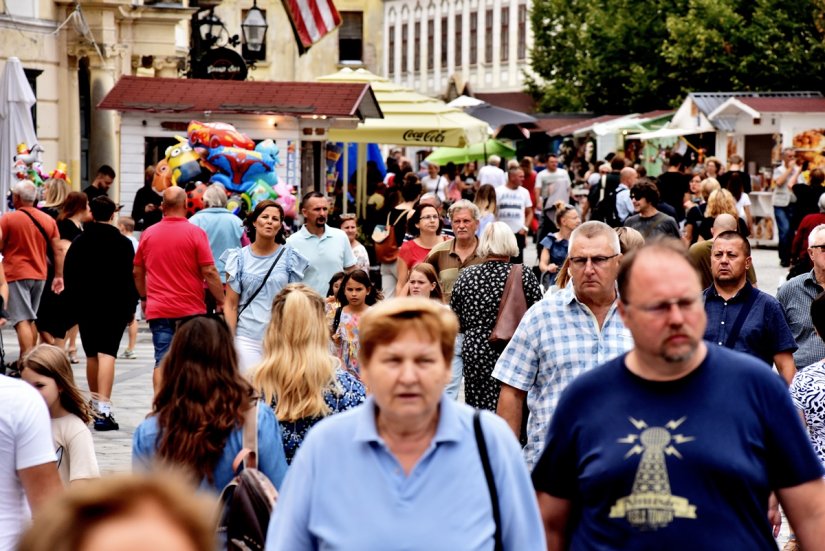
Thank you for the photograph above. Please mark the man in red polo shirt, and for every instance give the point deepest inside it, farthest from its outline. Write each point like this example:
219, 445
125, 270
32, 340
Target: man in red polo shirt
171, 264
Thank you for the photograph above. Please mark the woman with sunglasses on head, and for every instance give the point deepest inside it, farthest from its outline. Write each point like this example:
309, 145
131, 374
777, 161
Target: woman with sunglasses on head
200, 409
254, 275
554, 245
425, 224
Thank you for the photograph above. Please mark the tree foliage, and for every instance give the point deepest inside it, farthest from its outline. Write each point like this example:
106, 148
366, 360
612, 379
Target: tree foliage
619, 56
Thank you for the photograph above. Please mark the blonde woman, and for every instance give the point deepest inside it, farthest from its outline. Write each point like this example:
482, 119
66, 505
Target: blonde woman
297, 376
57, 189
486, 203
720, 201
696, 214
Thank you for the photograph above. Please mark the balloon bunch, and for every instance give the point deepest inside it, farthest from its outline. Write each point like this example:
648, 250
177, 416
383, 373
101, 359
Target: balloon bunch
27, 165
217, 153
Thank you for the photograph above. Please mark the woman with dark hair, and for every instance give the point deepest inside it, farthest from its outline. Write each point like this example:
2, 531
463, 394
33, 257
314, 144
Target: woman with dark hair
254, 275
397, 218
54, 318
356, 295
199, 411
425, 226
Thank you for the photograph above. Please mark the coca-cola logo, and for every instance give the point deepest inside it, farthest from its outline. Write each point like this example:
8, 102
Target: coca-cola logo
429, 136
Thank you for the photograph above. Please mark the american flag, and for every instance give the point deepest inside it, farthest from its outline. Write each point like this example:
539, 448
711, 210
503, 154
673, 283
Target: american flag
311, 20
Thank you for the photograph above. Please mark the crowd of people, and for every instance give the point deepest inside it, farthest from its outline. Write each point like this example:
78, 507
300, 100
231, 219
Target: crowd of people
598, 385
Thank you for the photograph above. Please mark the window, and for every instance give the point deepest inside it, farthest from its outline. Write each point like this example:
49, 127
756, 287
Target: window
31, 77
521, 48
417, 47
351, 37
443, 44
458, 22
430, 44
473, 38
488, 36
505, 33
404, 31
391, 50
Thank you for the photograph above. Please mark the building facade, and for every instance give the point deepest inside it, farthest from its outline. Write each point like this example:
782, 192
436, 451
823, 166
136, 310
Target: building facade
432, 45
73, 61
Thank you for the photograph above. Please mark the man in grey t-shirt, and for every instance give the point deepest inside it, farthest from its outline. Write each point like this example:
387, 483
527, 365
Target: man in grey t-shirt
649, 221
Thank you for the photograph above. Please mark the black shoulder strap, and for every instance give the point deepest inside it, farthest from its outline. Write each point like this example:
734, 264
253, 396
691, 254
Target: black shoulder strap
491, 482
39, 227
261, 286
740, 319
337, 320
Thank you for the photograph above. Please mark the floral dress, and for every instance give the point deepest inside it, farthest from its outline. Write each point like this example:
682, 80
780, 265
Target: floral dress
475, 300
344, 393
348, 344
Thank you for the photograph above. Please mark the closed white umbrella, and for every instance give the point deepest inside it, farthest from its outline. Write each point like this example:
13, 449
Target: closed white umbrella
16, 125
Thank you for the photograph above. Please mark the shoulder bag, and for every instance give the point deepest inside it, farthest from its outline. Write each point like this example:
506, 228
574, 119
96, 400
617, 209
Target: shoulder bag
491, 481
49, 251
386, 245
511, 309
261, 286
246, 503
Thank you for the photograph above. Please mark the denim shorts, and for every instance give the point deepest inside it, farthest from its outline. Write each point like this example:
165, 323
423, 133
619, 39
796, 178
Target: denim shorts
163, 329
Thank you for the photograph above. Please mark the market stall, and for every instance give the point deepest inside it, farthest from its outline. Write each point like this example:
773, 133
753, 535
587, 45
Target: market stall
296, 117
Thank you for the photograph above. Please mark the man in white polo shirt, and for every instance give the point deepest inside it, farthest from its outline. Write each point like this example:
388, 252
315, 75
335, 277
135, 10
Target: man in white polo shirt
515, 208
491, 173
327, 249
28, 465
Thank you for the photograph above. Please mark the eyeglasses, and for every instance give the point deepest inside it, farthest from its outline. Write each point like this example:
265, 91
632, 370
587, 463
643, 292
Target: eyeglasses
429, 217
661, 309
597, 261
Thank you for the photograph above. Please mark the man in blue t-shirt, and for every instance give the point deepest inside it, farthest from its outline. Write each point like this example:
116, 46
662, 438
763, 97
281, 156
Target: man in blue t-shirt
741, 317
676, 444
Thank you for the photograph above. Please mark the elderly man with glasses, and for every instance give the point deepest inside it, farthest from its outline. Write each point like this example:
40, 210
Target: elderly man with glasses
563, 336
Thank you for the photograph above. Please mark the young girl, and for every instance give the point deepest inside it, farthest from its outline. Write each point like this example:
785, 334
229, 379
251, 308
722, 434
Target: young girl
47, 369
331, 303
356, 295
424, 282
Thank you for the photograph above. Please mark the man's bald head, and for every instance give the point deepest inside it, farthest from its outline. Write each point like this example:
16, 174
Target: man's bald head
724, 222
174, 201
628, 176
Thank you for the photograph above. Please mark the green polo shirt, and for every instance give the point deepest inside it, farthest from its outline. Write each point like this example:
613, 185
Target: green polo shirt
447, 264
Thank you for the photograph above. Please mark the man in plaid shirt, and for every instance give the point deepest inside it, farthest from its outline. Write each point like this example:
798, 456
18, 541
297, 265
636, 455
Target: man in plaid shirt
563, 336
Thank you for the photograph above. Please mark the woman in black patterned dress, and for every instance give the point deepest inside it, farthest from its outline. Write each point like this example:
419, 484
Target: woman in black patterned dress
476, 298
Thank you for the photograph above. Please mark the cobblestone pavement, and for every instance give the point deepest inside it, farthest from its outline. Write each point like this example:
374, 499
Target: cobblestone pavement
133, 378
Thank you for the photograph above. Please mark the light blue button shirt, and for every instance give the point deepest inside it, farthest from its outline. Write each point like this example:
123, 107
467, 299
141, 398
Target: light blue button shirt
327, 255
346, 490
224, 231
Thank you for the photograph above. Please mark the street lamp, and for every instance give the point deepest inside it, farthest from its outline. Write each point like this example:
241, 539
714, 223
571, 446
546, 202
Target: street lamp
254, 28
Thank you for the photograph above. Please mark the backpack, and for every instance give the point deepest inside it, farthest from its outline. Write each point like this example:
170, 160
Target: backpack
246, 503
386, 245
605, 208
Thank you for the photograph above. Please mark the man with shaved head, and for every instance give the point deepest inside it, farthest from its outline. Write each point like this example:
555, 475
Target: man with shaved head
700, 252
172, 263
678, 443
624, 204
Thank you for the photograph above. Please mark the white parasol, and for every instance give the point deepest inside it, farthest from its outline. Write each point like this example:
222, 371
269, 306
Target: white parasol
16, 126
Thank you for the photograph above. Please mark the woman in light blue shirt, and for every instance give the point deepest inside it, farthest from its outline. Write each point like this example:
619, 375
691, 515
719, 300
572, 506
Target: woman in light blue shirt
198, 413
254, 276
405, 470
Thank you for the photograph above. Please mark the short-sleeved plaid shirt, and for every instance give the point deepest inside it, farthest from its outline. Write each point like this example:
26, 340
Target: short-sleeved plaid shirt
557, 340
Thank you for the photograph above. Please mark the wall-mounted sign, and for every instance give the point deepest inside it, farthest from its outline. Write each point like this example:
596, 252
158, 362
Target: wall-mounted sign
221, 64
